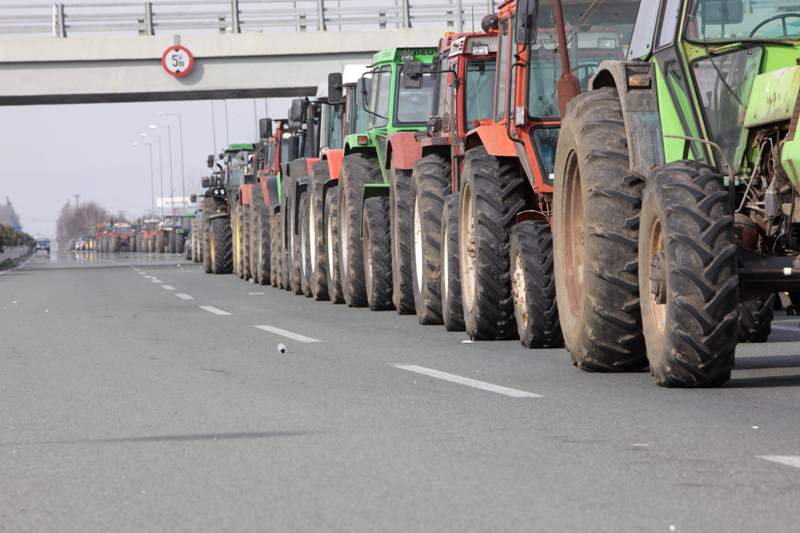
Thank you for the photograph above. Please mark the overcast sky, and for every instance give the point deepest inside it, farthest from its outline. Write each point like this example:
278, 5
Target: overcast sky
50, 153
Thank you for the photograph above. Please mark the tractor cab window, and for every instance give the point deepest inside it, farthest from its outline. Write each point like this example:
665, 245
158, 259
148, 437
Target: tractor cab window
286, 140
502, 69
414, 104
379, 93
333, 135
596, 31
444, 94
545, 140
356, 114
718, 21
479, 85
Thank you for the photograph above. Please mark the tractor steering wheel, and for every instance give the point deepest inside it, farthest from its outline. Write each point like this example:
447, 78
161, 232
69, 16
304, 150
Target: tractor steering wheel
782, 17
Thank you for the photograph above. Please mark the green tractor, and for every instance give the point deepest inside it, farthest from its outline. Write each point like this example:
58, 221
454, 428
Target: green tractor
676, 213
375, 187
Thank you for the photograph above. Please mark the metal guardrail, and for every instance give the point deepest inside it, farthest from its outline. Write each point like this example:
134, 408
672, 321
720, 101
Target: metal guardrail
236, 16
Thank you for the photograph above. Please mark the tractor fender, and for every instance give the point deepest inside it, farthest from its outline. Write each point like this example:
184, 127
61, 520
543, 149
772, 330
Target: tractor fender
494, 138
639, 110
371, 190
246, 193
403, 151
334, 157
265, 194
272, 197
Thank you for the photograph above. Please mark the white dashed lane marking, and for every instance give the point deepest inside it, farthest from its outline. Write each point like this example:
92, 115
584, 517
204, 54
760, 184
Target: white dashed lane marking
789, 460
214, 310
288, 334
469, 382
168, 287
184, 296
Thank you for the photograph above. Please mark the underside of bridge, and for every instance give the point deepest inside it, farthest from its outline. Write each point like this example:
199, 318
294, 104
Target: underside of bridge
247, 65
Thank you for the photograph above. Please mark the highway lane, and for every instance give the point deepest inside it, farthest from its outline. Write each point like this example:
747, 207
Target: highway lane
128, 405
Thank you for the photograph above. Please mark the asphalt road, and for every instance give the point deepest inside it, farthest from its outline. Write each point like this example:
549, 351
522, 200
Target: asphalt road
139, 394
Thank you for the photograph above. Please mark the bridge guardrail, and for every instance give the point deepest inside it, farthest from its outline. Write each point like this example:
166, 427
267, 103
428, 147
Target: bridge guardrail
236, 16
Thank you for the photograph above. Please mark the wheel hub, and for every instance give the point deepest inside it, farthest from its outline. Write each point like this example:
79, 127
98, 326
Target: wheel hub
658, 279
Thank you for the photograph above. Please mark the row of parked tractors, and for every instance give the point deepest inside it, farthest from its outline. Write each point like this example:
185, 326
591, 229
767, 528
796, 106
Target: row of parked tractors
617, 176
168, 234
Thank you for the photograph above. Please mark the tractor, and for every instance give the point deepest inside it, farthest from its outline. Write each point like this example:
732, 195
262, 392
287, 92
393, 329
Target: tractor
375, 190
676, 183
119, 237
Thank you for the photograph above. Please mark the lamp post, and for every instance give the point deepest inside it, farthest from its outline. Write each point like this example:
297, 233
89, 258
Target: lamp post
160, 172
169, 150
152, 180
180, 139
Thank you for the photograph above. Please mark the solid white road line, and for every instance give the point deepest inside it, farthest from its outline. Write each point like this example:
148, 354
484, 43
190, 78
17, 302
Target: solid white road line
287, 334
469, 382
791, 460
168, 287
255, 293
214, 310
184, 296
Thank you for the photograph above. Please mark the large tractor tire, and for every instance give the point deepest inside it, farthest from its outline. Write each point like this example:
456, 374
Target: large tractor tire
755, 319
376, 238
161, 245
492, 194
193, 241
533, 286
431, 186
595, 231
114, 246
187, 251
302, 238
332, 247
263, 242
688, 279
358, 169
221, 245
452, 307
293, 243
246, 248
206, 245
401, 197
153, 244
133, 244
276, 250
236, 238
317, 253
172, 245
180, 242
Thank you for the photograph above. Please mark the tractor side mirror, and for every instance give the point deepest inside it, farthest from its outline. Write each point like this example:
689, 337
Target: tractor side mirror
412, 75
297, 113
335, 88
265, 128
434, 125
210, 161
193, 198
489, 23
222, 156
363, 91
722, 12
205, 182
525, 21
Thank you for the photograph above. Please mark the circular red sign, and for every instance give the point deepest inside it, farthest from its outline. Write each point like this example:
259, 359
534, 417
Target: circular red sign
177, 61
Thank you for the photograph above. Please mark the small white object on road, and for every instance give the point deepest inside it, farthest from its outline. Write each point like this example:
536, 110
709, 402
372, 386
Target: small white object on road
467, 341
286, 333
281, 347
184, 296
469, 382
168, 287
156, 280
755, 427
214, 310
255, 293
790, 460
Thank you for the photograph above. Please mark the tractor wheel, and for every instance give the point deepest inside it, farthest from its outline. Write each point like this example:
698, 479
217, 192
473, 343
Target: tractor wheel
172, 246
358, 169
755, 319
318, 257
180, 242
114, 246
296, 267
402, 214
206, 245
263, 243
187, 252
160, 244
595, 227
332, 247
252, 234
376, 238
302, 238
533, 286
452, 308
154, 244
492, 194
193, 241
221, 245
276, 260
236, 237
431, 185
246, 248
133, 244
687, 276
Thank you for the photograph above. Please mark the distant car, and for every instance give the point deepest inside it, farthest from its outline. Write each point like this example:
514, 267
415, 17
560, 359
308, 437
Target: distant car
43, 244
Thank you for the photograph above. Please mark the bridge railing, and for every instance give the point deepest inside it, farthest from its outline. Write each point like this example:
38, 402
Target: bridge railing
236, 16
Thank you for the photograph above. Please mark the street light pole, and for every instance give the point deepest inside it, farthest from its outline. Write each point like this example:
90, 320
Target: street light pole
152, 180
180, 138
160, 171
169, 146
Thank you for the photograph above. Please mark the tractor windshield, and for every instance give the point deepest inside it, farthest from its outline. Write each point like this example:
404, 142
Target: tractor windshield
596, 31
718, 21
479, 90
414, 104
334, 126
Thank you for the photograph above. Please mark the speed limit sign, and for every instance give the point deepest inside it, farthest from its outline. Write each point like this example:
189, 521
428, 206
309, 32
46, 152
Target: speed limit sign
177, 61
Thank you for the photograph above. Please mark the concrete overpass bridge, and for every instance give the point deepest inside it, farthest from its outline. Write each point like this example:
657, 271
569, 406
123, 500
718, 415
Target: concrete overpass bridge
87, 52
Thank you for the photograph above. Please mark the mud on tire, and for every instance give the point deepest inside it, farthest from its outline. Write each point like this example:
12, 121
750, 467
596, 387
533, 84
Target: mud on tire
595, 232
